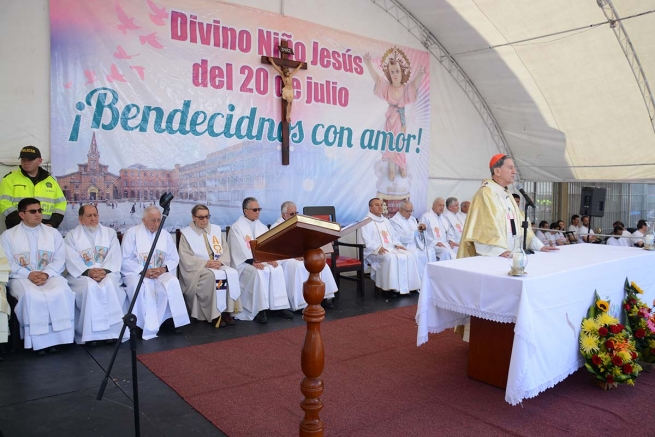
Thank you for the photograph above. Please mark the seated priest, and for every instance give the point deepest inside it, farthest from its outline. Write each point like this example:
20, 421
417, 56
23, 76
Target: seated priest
638, 235
455, 219
464, 209
411, 235
46, 304
438, 232
160, 297
211, 287
262, 283
393, 268
5, 309
295, 272
93, 262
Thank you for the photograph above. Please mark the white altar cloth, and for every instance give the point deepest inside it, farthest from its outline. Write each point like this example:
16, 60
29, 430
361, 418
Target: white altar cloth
547, 305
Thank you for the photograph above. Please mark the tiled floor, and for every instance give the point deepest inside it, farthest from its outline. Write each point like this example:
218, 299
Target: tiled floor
55, 395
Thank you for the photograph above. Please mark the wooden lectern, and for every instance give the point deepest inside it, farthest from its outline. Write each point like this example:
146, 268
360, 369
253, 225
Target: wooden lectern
305, 236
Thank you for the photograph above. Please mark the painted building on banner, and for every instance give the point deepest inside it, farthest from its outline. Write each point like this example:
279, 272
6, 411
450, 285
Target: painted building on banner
92, 181
140, 183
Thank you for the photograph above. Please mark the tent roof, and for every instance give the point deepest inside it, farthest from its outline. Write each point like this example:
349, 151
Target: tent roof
568, 105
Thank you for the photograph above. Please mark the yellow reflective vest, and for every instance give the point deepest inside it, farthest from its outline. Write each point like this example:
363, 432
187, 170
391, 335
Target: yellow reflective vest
16, 186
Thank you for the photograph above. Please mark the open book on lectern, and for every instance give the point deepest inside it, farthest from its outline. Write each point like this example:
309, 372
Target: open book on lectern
295, 236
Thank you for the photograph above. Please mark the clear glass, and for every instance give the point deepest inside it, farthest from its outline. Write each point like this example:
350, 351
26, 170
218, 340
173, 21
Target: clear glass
649, 238
518, 259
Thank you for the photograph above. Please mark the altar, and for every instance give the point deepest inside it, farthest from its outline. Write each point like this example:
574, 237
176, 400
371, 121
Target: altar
546, 305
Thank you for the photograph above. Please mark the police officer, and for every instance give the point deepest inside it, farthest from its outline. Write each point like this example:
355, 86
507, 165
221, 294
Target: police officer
30, 180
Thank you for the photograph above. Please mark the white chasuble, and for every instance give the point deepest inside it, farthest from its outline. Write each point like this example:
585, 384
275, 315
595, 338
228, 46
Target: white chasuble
99, 306
438, 231
46, 313
295, 274
396, 269
260, 289
407, 232
202, 244
161, 298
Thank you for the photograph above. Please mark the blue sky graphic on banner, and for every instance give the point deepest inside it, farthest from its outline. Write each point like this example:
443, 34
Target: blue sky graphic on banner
147, 98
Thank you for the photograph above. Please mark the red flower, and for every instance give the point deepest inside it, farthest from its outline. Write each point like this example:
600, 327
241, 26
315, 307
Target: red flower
621, 326
627, 369
617, 360
610, 379
634, 355
633, 300
615, 329
641, 333
596, 360
652, 351
609, 344
627, 307
602, 331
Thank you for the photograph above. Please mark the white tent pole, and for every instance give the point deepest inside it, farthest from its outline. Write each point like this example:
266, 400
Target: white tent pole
630, 54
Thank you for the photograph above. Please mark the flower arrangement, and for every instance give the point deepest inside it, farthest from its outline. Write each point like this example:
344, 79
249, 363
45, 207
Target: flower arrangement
641, 321
608, 346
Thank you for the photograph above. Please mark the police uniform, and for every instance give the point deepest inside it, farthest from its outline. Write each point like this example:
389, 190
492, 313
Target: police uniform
18, 185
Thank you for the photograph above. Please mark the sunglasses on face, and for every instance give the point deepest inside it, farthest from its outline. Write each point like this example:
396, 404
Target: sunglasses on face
204, 217
255, 209
34, 211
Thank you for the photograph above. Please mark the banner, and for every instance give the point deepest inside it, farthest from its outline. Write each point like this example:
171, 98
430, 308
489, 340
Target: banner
149, 97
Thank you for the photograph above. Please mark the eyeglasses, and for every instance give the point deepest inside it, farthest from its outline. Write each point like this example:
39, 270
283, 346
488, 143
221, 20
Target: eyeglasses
291, 214
255, 209
203, 217
34, 211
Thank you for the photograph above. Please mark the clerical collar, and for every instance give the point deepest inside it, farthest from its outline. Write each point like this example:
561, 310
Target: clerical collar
199, 229
33, 230
504, 188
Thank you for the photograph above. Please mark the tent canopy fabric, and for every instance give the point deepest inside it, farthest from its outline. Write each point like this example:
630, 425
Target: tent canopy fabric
568, 105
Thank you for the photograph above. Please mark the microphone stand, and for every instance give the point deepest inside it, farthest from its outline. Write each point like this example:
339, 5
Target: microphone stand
524, 225
129, 321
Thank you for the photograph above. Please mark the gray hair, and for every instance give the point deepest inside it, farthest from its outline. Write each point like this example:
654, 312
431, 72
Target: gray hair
436, 199
499, 163
450, 201
403, 204
149, 209
285, 206
246, 202
199, 207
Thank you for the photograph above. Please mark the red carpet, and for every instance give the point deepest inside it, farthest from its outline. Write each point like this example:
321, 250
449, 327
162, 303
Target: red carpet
378, 383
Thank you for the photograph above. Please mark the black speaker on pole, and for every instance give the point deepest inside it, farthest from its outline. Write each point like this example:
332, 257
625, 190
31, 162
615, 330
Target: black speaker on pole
592, 201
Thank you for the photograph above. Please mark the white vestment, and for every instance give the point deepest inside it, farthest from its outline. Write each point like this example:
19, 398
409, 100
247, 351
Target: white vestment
613, 241
46, 313
5, 309
295, 274
396, 269
99, 306
159, 299
456, 222
438, 230
637, 236
409, 237
260, 289
205, 296
625, 241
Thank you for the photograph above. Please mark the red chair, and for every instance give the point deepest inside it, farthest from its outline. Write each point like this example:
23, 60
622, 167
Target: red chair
340, 264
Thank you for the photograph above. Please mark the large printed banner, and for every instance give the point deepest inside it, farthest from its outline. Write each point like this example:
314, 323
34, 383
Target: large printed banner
149, 97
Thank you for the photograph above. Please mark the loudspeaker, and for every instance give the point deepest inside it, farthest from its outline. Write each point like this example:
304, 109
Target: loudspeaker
592, 201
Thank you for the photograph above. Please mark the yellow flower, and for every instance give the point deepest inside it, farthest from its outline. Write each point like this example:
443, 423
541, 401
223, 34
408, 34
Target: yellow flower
606, 319
588, 344
637, 288
617, 371
589, 326
603, 305
625, 356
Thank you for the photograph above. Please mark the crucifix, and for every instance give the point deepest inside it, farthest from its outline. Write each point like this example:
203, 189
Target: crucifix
282, 65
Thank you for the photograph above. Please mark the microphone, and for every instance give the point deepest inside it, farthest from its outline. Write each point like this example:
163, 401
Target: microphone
528, 201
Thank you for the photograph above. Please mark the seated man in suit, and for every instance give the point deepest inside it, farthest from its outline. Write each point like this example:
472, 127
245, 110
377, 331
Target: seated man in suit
393, 267
46, 304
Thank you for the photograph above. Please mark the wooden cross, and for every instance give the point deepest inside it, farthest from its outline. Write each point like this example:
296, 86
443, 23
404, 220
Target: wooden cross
284, 62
